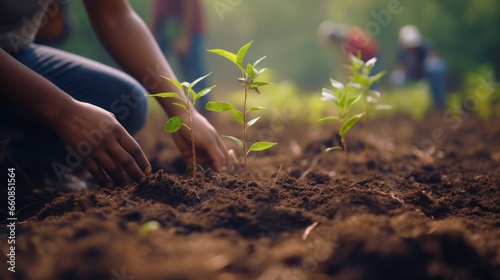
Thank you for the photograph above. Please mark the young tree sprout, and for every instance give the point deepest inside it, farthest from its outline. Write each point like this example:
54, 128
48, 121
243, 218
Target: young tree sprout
361, 74
343, 99
248, 78
148, 227
175, 123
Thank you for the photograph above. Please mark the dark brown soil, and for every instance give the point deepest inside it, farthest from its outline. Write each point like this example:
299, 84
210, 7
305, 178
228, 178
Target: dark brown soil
423, 202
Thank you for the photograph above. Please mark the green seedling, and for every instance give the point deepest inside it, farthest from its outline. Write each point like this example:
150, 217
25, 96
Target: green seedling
248, 78
360, 73
343, 97
148, 227
175, 123
482, 89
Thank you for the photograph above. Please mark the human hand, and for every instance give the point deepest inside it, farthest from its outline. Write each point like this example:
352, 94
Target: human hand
103, 144
210, 149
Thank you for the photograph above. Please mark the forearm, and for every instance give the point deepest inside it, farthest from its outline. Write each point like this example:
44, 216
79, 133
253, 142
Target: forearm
153, 17
132, 45
29, 93
129, 41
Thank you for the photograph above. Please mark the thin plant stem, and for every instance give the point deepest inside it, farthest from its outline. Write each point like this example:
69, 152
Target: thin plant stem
344, 146
367, 132
193, 145
245, 131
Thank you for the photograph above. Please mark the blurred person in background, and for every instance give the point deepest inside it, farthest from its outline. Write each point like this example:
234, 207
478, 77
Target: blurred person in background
417, 60
179, 29
71, 111
351, 40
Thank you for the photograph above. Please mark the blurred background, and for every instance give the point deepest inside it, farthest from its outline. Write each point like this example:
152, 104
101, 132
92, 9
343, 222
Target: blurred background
465, 33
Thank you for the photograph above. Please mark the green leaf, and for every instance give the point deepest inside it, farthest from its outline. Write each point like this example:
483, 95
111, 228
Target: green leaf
257, 84
219, 106
198, 80
258, 61
328, 95
336, 148
349, 123
180, 105
173, 124
357, 62
353, 100
256, 108
235, 140
355, 85
165, 95
192, 93
224, 106
336, 84
204, 92
261, 71
252, 122
241, 54
176, 83
358, 79
352, 69
260, 146
371, 100
228, 55
343, 97
370, 63
251, 71
375, 78
237, 115
332, 118
375, 93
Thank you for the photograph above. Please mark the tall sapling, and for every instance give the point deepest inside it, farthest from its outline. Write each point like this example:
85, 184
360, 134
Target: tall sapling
343, 99
247, 80
360, 72
175, 123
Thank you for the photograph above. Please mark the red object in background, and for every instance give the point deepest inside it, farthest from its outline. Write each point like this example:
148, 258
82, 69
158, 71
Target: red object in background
357, 41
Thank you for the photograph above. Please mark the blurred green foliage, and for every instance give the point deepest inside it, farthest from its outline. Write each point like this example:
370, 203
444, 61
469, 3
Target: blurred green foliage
464, 32
480, 94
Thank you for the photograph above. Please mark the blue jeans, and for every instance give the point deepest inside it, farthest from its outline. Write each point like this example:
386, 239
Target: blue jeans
435, 72
191, 66
86, 81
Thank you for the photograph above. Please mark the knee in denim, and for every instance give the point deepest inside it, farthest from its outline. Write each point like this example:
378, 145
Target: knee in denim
130, 108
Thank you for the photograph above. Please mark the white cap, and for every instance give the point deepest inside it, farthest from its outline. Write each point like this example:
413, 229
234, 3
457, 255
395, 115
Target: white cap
331, 30
410, 37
